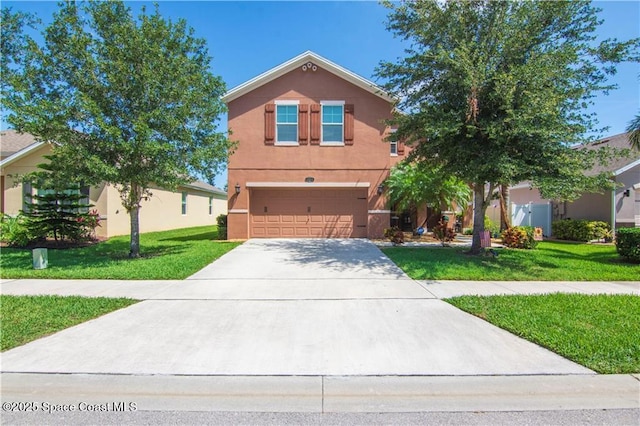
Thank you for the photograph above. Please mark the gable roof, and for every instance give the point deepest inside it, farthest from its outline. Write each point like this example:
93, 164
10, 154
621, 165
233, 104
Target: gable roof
12, 142
300, 61
617, 165
203, 186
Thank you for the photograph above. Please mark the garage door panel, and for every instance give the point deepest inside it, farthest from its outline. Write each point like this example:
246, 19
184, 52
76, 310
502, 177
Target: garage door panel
318, 213
315, 218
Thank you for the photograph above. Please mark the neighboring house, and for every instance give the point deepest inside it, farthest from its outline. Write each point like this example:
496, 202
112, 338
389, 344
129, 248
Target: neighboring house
311, 157
192, 205
620, 207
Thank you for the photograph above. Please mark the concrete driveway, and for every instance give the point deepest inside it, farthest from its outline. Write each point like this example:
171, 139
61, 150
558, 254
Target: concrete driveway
290, 308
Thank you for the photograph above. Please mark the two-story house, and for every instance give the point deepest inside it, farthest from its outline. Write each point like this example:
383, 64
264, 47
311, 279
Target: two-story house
312, 157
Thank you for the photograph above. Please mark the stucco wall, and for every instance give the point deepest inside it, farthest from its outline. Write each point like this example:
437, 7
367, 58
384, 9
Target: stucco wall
628, 207
12, 190
594, 206
162, 212
367, 161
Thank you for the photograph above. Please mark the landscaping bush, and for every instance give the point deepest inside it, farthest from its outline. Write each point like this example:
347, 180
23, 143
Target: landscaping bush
14, 231
443, 233
221, 220
395, 235
492, 227
628, 243
581, 230
521, 237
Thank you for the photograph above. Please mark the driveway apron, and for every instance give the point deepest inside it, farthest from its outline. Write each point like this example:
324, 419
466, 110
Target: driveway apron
290, 307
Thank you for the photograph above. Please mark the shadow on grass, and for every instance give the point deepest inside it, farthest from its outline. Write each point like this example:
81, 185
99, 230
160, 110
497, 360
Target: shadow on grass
21, 259
203, 236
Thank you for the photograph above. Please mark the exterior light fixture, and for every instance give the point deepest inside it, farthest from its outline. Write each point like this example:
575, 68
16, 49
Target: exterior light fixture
380, 189
237, 188
627, 193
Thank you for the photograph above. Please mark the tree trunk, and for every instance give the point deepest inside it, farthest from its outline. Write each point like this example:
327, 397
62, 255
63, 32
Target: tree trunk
134, 215
134, 246
504, 207
479, 210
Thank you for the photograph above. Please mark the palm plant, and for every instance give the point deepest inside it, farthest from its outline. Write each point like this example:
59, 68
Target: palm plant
411, 185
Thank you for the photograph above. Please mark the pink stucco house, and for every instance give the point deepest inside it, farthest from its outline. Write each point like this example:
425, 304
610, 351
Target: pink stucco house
312, 156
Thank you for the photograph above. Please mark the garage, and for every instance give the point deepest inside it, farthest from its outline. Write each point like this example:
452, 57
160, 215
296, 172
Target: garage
308, 213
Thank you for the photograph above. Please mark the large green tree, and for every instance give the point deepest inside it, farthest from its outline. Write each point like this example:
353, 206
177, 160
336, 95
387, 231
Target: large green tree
127, 100
495, 92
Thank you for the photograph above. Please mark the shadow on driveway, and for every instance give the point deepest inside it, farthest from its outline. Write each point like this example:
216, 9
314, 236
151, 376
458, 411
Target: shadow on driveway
303, 259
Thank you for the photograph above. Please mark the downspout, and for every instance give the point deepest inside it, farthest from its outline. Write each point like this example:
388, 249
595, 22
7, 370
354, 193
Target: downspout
613, 211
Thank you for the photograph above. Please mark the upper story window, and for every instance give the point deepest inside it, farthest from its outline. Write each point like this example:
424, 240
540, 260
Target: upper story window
393, 143
394, 148
287, 122
333, 122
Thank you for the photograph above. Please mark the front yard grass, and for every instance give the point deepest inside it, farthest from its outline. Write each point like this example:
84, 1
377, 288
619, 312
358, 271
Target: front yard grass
166, 255
26, 318
551, 261
600, 332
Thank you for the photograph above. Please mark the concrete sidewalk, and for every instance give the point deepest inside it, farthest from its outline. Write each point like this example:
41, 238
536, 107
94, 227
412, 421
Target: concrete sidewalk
305, 288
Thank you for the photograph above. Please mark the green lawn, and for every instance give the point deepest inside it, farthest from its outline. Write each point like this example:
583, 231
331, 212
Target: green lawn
551, 261
26, 318
600, 332
166, 255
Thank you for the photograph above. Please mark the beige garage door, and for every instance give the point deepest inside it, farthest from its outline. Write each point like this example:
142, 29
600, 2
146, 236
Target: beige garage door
308, 213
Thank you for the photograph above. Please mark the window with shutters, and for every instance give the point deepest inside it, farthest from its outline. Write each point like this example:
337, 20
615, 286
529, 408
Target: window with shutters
287, 122
332, 122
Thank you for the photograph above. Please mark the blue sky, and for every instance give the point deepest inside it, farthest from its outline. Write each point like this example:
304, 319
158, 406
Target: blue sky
246, 38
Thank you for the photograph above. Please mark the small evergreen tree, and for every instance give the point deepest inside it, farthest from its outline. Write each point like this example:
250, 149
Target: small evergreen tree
61, 214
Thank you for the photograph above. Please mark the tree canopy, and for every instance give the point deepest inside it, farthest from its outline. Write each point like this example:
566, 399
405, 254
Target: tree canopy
125, 100
495, 92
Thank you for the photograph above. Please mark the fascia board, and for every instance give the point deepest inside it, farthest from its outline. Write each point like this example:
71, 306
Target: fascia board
20, 154
627, 167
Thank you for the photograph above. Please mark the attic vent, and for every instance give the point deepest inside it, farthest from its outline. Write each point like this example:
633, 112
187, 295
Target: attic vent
309, 66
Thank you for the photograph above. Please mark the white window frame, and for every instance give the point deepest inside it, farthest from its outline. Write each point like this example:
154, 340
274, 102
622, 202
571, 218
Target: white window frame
210, 206
394, 152
288, 103
322, 124
184, 197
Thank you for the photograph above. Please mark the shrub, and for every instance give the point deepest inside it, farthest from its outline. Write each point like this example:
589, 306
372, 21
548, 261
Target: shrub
628, 243
395, 235
492, 227
443, 233
221, 220
581, 230
14, 231
522, 237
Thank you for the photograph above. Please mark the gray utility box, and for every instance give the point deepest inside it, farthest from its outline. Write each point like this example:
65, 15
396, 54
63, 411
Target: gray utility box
40, 258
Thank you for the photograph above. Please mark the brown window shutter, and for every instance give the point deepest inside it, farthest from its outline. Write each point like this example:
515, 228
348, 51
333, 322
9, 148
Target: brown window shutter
348, 124
315, 124
303, 124
400, 148
269, 124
